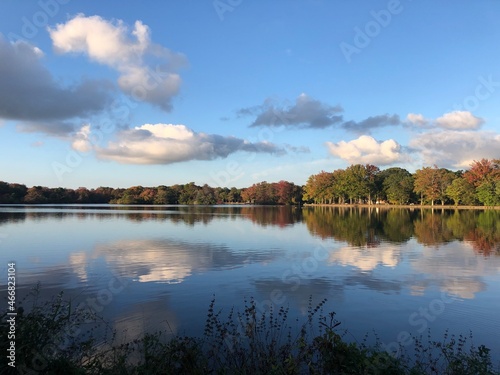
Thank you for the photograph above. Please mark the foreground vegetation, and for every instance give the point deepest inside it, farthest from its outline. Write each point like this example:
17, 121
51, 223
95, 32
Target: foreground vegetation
56, 338
479, 185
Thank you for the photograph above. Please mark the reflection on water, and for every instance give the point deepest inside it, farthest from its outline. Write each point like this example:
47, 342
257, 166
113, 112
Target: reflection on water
356, 226
170, 262
379, 265
365, 258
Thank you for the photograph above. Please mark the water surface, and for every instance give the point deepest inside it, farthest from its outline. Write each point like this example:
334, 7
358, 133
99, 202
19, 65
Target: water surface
158, 267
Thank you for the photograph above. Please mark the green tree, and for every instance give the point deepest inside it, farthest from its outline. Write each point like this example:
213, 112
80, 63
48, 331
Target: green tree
488, 193
461, 191
188, 193
359, 181
234, 195
445, 178
397, 185
319, 188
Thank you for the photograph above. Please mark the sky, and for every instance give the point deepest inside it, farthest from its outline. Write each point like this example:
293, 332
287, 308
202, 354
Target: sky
234, 92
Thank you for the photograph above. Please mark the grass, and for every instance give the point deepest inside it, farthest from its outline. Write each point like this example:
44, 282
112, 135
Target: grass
56, 338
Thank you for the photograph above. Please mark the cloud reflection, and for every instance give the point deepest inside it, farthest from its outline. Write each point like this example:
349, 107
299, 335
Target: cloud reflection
367, 258
171, 262
454, 268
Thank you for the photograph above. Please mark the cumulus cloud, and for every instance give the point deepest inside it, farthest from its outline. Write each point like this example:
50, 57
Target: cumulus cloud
306, 112
456, 120
417, 119
81, 139
28, 92
131, 53
367, 150
372, 122
459, 120
168, 143
456, 149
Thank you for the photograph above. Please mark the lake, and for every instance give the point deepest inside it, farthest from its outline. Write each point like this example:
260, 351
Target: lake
392, 271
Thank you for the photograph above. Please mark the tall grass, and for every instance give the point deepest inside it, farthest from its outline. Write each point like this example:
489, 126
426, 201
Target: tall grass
53, 337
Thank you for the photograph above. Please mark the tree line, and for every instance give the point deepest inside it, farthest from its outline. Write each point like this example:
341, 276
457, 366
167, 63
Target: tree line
282, 193
479, 185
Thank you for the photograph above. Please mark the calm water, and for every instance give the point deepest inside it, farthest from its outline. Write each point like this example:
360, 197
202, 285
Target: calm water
144, 268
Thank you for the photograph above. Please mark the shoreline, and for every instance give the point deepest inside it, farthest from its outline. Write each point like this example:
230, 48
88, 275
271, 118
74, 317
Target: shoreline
415, 206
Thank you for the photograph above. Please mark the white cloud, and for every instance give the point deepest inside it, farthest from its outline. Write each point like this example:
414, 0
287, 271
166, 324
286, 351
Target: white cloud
81, 139
456, 149
417, 119
456, 120
168, 143
110, 43
459, 120
366, 149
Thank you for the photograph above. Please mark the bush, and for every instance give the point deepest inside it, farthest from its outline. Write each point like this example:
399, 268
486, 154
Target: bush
56, 338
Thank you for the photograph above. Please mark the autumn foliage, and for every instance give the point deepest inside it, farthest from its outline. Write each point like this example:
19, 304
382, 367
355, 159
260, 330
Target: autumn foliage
367, 184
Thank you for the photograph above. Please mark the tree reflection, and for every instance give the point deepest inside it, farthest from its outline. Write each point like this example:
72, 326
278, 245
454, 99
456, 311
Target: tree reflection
398, 225
275, 216
356, 226
369, 226
480, 228
431, 229
485, 237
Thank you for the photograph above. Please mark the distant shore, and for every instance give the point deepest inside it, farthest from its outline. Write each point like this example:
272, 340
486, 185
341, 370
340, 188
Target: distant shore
414, 206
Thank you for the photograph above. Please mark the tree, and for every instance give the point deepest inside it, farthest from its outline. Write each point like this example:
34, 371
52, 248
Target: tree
320, 188
488, 193
234, 195
188, 193
359, 181
287, 192
482, 171
205, 195
12, 193
397, 185
340, 186
147, 196
166, 195
461, 191
371, 180
102, 194
37, 195
428, 183
445, 178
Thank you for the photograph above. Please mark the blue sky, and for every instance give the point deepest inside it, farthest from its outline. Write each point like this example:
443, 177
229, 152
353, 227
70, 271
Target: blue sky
233, 92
